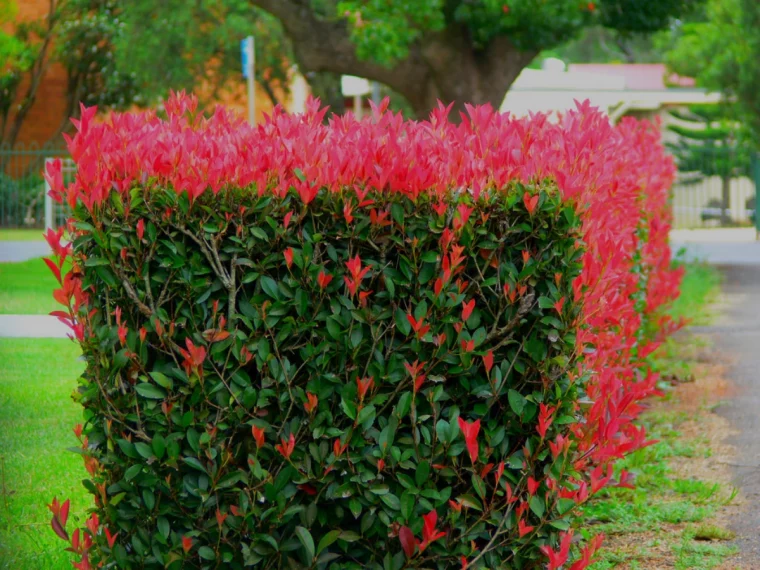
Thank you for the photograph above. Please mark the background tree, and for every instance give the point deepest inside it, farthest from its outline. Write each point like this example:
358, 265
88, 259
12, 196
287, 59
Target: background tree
85, 41
177, 44
454, 50
25, 53
722, 50
711, 144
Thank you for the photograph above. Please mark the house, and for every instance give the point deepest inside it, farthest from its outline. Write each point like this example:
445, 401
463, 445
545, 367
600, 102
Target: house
644, 91
48, 111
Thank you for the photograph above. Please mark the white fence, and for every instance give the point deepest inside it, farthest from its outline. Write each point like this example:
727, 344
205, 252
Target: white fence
56, 214
694, 204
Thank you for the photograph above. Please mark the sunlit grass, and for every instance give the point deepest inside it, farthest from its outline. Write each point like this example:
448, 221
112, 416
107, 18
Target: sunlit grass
36, 417
21, 235
26, 288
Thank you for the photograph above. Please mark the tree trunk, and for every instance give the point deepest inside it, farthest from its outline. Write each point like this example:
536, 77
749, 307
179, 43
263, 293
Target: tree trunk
725, 215
441, 66
327, 86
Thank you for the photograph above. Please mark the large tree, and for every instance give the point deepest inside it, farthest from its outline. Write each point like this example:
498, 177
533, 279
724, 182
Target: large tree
722, 50
711, 143
451, 50
176, 44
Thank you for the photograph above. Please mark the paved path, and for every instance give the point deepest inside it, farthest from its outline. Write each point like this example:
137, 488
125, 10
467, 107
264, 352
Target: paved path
32, 326
22, 250
736, 334
720, 246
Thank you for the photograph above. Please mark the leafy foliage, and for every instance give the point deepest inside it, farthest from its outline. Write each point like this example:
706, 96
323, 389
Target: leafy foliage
183, 45
721, 49
384, 31
380, 343
710, 141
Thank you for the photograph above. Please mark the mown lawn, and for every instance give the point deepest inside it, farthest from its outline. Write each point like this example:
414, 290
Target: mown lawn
37, 377
668, 519
21, 235
36, 416
26, 288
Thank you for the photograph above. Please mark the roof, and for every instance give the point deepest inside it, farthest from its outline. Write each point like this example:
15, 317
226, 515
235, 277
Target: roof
638, 76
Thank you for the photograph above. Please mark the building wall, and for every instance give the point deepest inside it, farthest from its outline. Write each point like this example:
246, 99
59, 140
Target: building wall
47, 113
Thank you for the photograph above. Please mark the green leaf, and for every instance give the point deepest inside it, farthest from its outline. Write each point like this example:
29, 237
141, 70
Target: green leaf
356, 336
516, 402
479, 485
349, 536
334, 328
536, 349
327, 540
402, 323
366, 414
132, 472
206, 553
163, 527
471, 502
159, 445
195, 463
269, 286
408, 500
537, 506
144, 449
392, 501
162, 380
565, 506
422, 473
404, 404
308, 542
150, 391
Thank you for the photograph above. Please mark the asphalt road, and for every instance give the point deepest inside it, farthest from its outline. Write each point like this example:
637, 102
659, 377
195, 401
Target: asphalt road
22, 250
736, 335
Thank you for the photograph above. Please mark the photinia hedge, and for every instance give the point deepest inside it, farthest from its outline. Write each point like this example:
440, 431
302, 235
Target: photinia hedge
375, 343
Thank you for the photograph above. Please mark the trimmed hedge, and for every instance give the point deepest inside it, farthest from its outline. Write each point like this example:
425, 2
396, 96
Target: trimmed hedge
378, 343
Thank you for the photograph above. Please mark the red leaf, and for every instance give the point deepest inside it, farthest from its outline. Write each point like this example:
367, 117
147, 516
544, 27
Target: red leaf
408, 543
59, 530
54, 268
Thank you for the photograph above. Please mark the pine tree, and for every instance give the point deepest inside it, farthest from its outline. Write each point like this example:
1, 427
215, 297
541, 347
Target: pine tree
711, 143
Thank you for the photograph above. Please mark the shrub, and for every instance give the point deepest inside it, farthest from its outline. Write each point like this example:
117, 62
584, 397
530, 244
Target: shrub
375, 343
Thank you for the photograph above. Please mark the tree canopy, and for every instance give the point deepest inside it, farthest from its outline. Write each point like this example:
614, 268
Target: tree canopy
722, 50
454, 50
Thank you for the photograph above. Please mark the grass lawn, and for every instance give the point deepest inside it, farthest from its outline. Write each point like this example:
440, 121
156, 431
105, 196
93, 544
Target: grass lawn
21, 235
675, 517
26, 288
699, 287
36, 416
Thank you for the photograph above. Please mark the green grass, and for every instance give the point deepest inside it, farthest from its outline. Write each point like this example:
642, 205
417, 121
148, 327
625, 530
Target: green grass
660, 497
21, 235
699, 288
36, 416
26, 288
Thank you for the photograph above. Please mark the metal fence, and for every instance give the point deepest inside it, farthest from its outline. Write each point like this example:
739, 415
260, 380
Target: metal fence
22, 187
697, 199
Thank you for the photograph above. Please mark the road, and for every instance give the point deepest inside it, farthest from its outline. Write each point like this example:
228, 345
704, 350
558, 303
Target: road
736, 336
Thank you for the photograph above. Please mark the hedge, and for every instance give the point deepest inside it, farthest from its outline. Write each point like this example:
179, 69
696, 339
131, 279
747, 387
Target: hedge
376, 343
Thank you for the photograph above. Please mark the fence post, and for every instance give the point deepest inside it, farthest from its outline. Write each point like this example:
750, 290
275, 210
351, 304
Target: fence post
48, 202
755, 166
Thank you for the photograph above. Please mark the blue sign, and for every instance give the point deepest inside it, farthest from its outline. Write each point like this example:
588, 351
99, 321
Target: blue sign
244, 56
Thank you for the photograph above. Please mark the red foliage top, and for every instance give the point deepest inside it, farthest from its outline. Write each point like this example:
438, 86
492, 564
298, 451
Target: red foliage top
618, 175
582, 151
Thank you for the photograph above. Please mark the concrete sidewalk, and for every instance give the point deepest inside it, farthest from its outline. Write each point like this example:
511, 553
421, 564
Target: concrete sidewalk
32, 326
718, 246
22, 250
